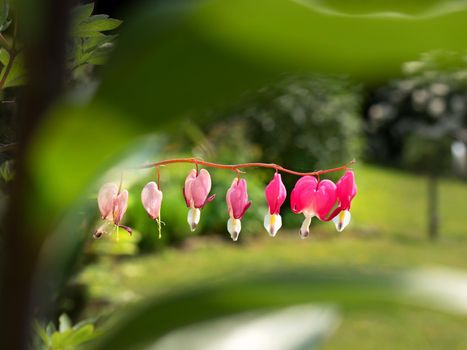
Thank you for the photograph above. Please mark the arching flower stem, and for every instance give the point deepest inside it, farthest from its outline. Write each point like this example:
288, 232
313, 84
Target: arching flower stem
236, 167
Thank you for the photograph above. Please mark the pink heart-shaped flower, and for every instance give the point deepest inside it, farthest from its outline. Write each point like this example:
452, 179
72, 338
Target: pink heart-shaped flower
105, 200
275, 194
151, 197
197, 187
346, 189
313, 198
237, 199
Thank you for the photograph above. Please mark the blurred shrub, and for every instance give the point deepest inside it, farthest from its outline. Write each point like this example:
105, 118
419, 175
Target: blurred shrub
307, 123
415, 121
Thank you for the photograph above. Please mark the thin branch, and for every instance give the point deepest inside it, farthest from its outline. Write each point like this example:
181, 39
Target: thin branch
236, 167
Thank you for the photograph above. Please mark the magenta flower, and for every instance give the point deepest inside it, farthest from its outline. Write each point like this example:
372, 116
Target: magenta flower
196, 193
151, 197
346, 191
112, 204
237, 204
312, 198
275, 196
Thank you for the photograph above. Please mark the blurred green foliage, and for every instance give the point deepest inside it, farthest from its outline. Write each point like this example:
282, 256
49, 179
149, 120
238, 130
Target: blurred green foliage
66, 337
88, 44
183, 59
308, 123
414, 121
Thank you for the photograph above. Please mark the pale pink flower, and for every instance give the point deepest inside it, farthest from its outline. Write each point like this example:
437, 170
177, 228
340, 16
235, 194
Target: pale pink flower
196, 193
112, 205
151, 197
237, 204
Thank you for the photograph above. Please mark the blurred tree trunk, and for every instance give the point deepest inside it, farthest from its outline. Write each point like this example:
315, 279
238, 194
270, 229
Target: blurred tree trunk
44, 30
432, 195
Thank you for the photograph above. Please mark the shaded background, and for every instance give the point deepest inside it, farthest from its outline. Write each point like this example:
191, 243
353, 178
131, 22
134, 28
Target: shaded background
305, 84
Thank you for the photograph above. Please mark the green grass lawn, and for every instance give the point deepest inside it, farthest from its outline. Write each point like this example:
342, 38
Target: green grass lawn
394, 203
387, 234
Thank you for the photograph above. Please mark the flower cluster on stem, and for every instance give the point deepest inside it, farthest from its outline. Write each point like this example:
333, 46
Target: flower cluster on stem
312, 197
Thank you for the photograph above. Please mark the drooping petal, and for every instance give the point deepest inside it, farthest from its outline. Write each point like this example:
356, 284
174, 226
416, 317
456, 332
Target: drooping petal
187, 188
275, 193
151, 197
234, 226
105, 200
120, 205
194, 214
200, 188
237, 199
272, 223
127, 229
325, 198
342, 220
346, 189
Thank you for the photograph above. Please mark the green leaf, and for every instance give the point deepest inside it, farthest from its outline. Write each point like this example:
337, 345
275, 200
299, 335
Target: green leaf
5, 25
80, 13
100, 55
41, 332
59, 339
50, 329
92, 43
81, 335
94, 50
17, 73
4, 56
94, 25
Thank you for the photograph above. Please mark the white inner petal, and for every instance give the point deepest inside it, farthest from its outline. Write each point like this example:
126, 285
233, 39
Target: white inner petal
194, 214
234, 227
305, 228
342, 220
272, 223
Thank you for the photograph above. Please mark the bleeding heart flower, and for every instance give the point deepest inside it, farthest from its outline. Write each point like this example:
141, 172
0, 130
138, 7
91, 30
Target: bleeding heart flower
346, 191
120, 206
312, 198
105, 200
275, 196
112, 204
237, 204
196, 193
151, 197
